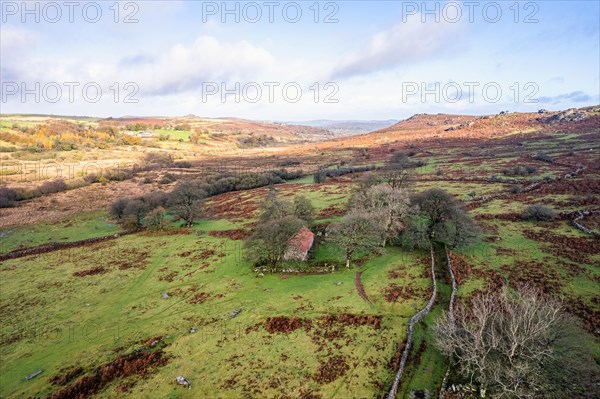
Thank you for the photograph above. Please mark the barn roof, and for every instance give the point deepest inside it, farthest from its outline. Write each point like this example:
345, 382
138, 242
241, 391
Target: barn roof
302, 240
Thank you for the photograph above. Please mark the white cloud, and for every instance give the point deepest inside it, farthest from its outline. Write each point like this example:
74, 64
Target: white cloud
13, 38
183, 68
180, 68
404, 43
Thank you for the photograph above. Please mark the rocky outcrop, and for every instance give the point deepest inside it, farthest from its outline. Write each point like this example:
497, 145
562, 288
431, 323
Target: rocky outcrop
570, 115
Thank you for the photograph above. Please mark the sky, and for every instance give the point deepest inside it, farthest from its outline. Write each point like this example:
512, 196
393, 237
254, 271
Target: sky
294, 61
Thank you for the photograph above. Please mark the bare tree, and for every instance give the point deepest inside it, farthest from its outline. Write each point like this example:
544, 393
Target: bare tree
354, 233
398, 171
507, 343
156, 219
389, 206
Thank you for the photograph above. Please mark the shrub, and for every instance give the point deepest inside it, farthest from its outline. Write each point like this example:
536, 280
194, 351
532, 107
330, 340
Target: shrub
538, 212
167, 178
289, 162
158, 159
8, 197
131, 140
117, 207
542, 156
119, 174
91, 178
53, 186
183, 164
518, 170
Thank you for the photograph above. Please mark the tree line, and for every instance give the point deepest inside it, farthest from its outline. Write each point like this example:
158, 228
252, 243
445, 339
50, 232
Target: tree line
186, 201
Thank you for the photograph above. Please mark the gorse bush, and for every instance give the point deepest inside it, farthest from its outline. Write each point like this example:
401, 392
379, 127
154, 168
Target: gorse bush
539, 212
542, 156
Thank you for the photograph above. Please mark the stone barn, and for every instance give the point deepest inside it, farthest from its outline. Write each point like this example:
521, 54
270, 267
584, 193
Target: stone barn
299, 245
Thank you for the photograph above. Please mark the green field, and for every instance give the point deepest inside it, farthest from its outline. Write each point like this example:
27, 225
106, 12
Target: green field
58, 319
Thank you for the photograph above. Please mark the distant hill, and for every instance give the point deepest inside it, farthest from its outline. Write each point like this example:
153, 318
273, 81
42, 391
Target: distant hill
446, 126
349, 127
243, 130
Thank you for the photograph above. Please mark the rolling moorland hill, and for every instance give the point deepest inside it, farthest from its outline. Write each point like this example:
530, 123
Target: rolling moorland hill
90, 309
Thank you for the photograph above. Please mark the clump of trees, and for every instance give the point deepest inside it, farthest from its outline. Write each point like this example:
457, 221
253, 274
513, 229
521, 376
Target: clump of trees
538, 212
378, 211
518, 345
131, 212
278, 222
274, 207
186, 201
382, 212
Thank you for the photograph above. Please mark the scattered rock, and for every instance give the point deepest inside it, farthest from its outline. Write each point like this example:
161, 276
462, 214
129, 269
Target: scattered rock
184, 381
34, 374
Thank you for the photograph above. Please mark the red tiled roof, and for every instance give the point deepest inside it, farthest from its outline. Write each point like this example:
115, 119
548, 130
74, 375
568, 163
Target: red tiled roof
302, 240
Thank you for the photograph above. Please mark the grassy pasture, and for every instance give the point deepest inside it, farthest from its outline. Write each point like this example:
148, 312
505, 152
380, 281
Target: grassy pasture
89, 319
